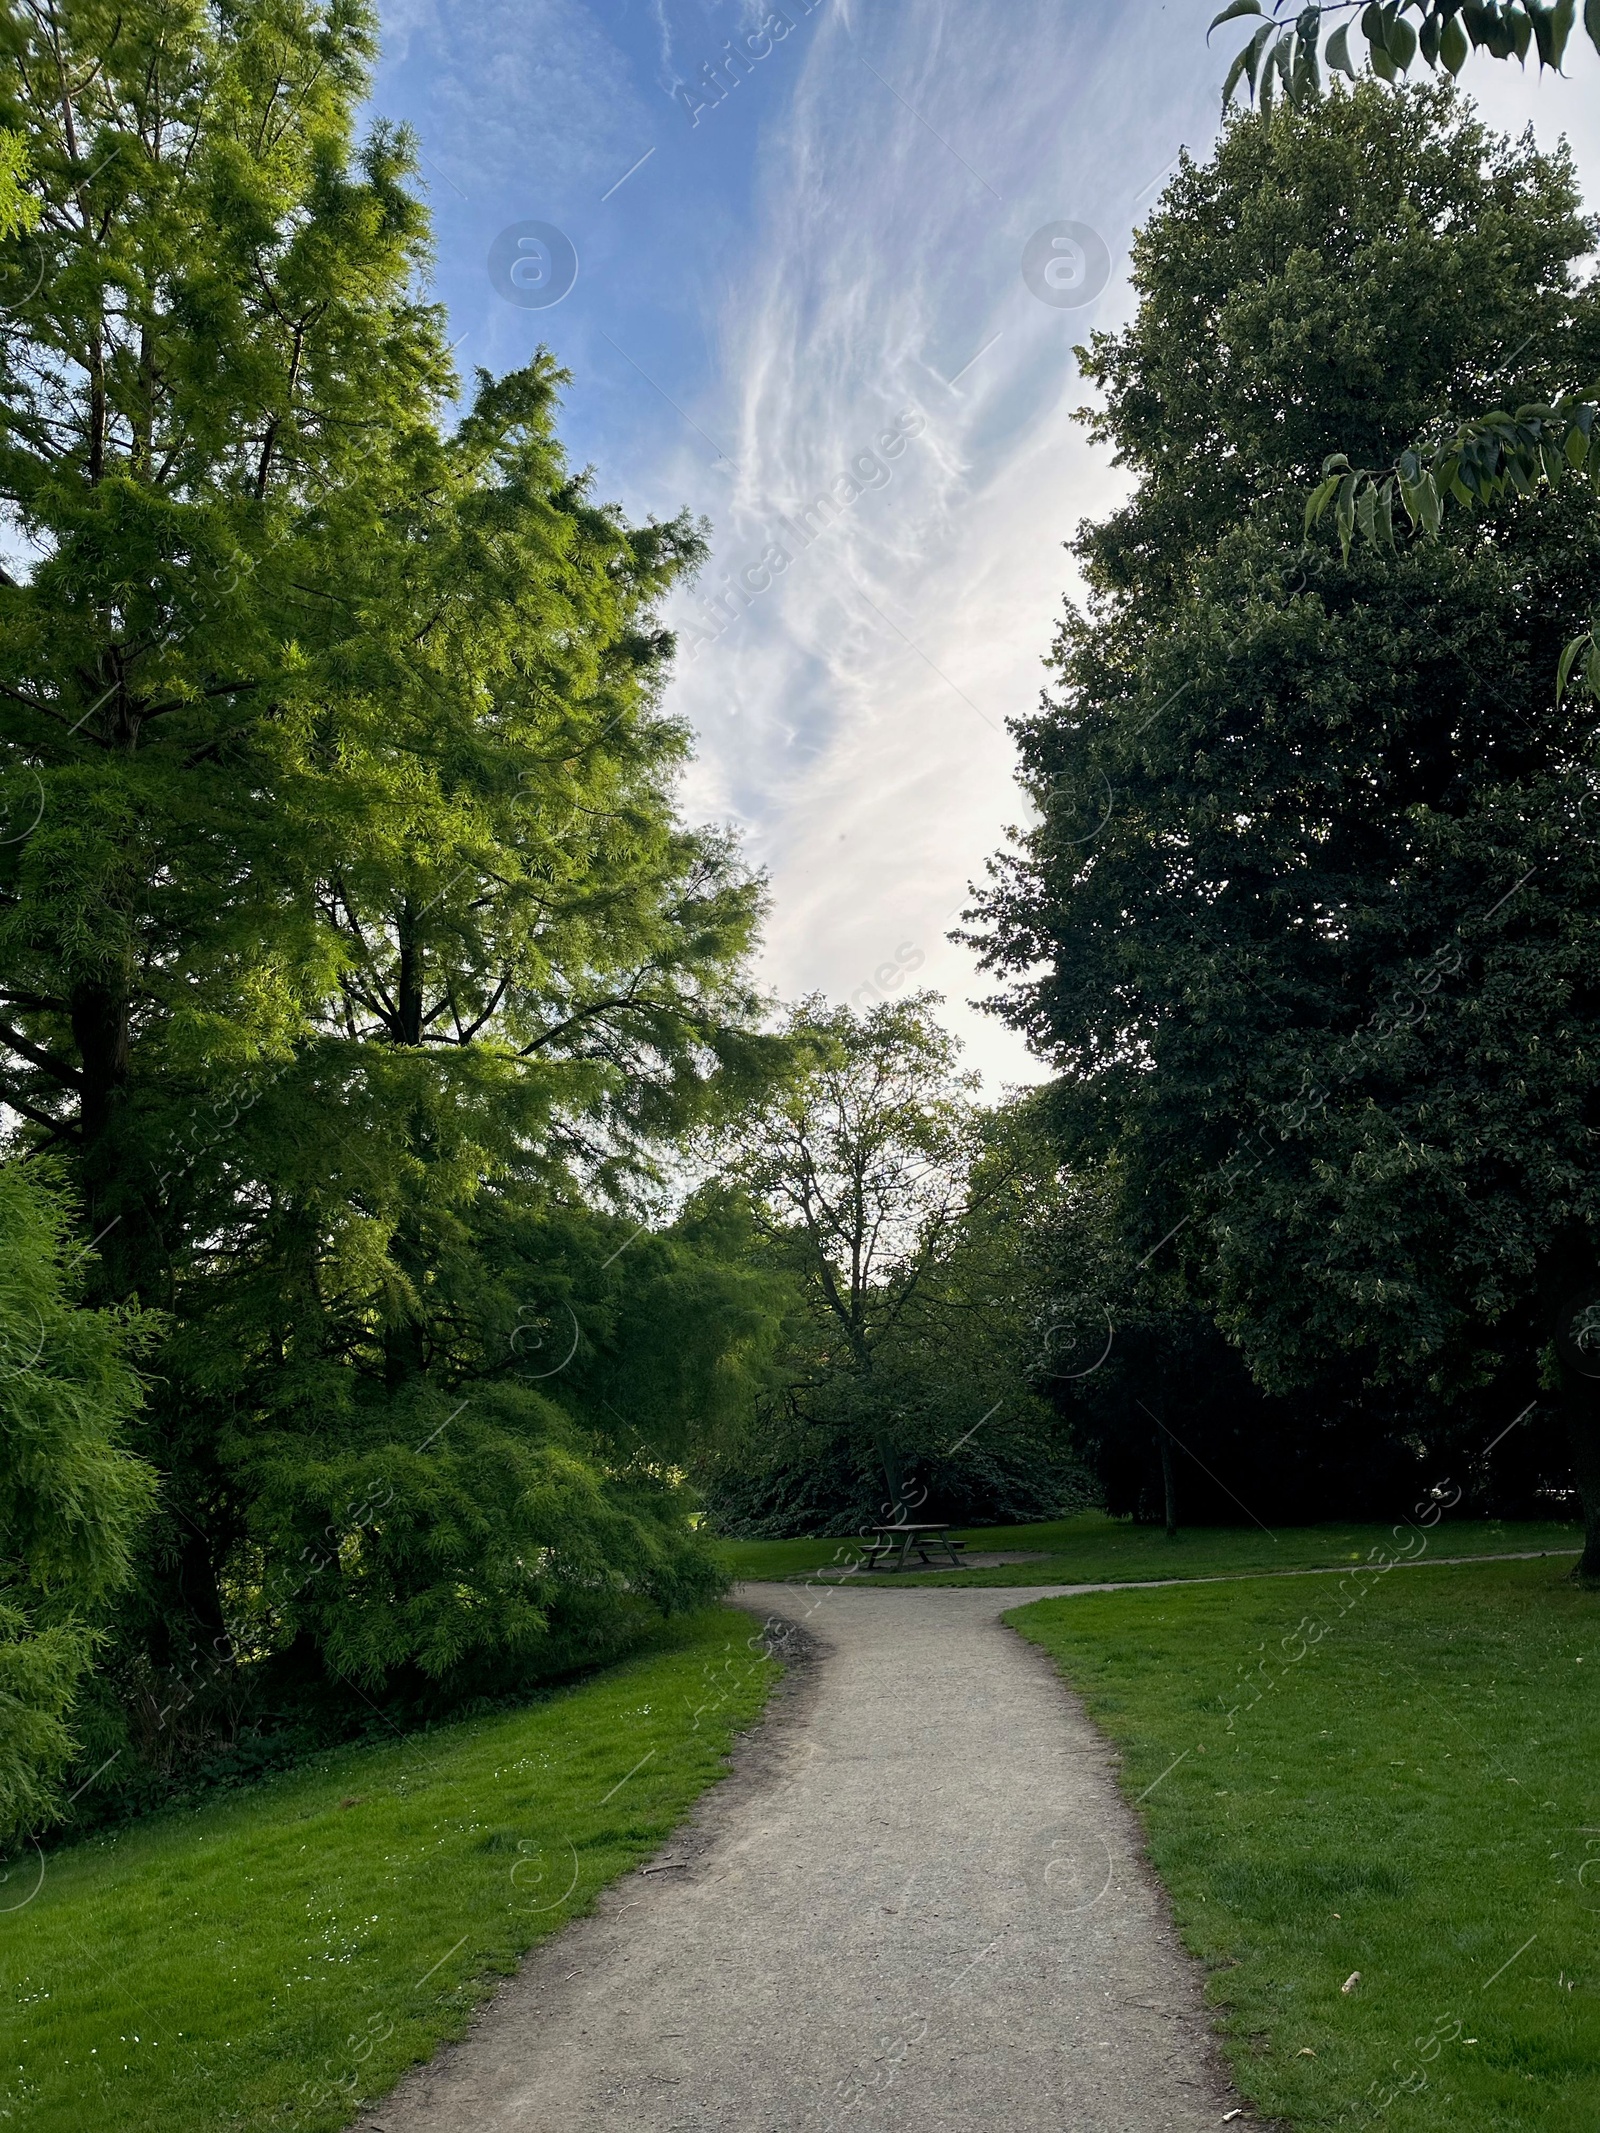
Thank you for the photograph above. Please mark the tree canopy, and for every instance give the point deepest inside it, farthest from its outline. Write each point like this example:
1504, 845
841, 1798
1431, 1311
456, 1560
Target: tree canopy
902, 1218
353, 956
1472, 463
1306, 918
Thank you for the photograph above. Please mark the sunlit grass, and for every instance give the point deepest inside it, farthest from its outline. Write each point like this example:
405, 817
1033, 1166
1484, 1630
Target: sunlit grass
1394, 1775
275, 1958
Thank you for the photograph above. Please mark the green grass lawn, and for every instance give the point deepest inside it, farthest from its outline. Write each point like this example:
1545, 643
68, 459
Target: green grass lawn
1396, 1775
278, 1957
1091, 1548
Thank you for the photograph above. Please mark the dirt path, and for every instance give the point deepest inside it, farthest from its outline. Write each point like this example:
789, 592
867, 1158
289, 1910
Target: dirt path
924, 1581
919, 1903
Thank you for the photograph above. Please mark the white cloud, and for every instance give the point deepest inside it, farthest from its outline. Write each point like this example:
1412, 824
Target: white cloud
854, 715
852, 718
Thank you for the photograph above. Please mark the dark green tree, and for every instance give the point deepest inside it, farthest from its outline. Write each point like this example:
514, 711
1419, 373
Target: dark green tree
1513, 449
1276, 925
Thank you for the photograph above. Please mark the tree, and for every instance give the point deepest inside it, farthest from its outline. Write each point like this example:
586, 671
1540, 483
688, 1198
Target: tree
1475, 463
213, 381
862, 1162
899, 1213
344, 876
72, 1495
1164, 1412
1295, 972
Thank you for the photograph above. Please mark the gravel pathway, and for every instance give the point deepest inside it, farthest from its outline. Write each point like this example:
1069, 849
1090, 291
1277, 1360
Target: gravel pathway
919, 1903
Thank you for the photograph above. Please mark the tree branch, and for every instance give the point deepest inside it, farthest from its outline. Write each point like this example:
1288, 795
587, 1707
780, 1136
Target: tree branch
36, 1056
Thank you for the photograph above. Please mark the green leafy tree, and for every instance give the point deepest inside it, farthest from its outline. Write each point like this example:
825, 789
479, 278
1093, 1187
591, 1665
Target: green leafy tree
212, 385
515, 1506
1306, 920
72, 1494
898, 1213
342, 872
862, 1162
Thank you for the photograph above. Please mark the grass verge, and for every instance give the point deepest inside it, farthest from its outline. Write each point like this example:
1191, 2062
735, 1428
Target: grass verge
281, 1957
1092, 1548
1387, 1778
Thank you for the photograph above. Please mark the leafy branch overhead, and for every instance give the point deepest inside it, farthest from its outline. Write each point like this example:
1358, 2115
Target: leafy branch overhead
1291, 44
1481, 463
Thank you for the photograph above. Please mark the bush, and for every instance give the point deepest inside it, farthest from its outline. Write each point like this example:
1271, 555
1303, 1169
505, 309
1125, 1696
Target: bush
72, 1496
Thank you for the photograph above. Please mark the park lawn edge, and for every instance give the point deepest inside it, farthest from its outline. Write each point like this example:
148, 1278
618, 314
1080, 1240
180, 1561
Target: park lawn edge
707, 1682
1271, 1979
1006, 1577
479, 1985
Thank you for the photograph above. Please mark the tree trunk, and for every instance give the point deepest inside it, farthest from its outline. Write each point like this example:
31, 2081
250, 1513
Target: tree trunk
404, 1342
1169, 1480
112, 1210
1572, 1300
891, 1475
408, 1005
200, 1597
1582, 1404
185, 1595
405, 1339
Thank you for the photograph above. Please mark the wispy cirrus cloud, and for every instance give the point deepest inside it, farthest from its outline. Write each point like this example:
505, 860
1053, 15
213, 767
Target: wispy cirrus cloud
853, 716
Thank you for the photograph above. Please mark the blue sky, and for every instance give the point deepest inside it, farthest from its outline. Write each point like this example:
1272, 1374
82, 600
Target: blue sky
829, 257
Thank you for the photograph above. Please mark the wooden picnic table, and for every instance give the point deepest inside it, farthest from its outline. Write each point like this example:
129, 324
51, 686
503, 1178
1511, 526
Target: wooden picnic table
898, 1540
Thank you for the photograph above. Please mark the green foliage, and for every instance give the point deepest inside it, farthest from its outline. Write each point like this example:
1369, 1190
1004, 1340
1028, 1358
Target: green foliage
1166, 1415
858, 1163
1318, 976
351, 950
476, 1546
1493, 455
1292, 40
72, 1496
1481, 463
900, 1216
19, 211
